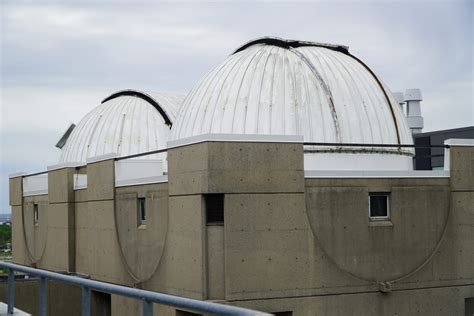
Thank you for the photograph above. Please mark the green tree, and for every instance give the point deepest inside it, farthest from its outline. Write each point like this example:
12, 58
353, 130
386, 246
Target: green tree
5, 235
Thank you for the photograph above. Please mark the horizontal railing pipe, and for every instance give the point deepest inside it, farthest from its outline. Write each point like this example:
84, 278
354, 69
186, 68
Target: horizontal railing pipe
158, 151
34, 174
373, 145
160, 298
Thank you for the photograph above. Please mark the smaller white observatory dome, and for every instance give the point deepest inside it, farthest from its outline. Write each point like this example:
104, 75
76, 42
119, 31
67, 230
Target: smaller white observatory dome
274, 86
127, 122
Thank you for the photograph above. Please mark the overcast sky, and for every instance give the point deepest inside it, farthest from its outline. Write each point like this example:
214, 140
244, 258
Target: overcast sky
60, 58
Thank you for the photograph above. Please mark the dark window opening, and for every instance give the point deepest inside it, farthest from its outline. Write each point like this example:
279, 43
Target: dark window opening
469, 306
101, 304
379, 205
141, 211
35, 213
287, 313
214, 204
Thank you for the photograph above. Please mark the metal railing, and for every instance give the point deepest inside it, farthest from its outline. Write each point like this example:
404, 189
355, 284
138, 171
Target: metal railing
373, 145
158, 151
148, 297
417, 147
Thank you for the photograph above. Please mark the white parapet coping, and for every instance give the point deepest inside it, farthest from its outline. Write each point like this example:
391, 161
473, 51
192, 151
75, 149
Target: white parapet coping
102, 157
251, 138
459, 142
17, 174
65, 165
455, 142
352, 174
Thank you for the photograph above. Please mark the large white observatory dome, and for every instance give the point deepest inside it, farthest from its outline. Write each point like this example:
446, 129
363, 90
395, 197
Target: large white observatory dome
280, 87
127, 122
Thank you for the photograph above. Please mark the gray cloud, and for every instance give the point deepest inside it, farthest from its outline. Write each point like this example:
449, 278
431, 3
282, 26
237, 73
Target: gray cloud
59, 59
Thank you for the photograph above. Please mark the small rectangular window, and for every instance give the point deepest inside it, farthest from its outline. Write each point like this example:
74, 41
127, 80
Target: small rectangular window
35, 213
379, 205
141, 211
214, 204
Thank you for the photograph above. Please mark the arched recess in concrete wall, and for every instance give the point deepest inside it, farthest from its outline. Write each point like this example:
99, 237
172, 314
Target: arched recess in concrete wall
141, 246
35, 234
378, 252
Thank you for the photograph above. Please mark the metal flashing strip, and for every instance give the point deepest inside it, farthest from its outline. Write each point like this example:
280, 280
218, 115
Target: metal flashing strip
145, 96
460, 142
65, 165
102, 157
17, 174
287, 43
351, 174
140, 181
251, 138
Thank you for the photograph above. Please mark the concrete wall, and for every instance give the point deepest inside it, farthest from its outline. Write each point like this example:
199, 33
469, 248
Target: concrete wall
287, 243
430, 301
97, 247
62, 298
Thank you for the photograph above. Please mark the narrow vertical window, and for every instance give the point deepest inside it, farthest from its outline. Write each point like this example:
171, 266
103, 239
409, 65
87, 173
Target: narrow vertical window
214, 204
379, 205
35, 213
141, 211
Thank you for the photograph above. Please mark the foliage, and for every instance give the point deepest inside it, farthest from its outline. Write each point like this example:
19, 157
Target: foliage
5, 235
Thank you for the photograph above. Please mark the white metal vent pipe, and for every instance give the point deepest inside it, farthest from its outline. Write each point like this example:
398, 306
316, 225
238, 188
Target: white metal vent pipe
414, 118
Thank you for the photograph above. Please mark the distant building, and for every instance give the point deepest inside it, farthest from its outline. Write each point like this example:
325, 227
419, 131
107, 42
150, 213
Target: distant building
433, 158
281, 189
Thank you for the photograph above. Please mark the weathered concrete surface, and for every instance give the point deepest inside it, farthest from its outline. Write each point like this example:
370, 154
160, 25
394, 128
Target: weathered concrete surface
63, 299
60, 185
80, 195
16, 191
35, 234
182, 267
215, 268
60, 249
124, 306
142, 245
340, 222
97, 248
462, 168
219, 167
453, 262
101, 180
19, 252
267, 245
287, 244
437, 301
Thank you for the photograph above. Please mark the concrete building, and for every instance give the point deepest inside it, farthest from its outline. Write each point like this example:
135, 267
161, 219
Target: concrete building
282, 189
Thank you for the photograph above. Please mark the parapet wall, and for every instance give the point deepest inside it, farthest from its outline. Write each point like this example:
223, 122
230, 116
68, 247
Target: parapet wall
285, 233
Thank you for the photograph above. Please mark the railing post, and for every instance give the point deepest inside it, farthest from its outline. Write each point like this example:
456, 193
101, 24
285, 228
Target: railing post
43, 296
147, 308
11, 291
86, 301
